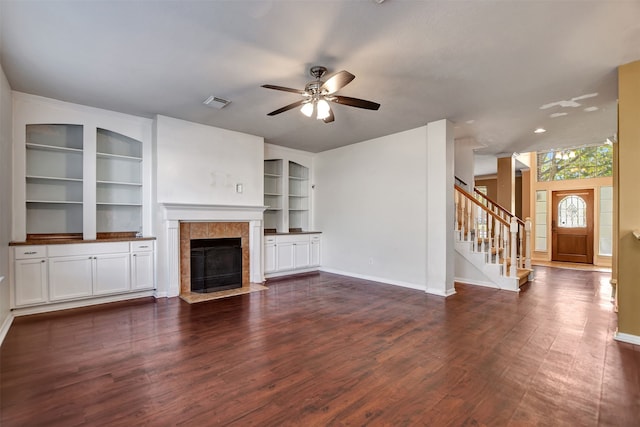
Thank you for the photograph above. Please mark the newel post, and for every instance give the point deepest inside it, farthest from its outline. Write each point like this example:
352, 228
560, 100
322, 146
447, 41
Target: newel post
513, 271
527, 230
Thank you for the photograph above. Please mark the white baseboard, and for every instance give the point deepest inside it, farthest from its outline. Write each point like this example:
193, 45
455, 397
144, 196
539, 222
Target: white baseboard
375, 279
290, 272
628, 338
6, 324
476, 282
45, 308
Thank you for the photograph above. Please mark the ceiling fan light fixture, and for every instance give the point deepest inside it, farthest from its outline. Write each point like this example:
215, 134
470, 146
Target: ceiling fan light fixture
307, 109
323, 109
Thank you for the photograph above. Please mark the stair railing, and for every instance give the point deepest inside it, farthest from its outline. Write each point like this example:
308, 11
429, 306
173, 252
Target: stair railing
492, 234
524, 230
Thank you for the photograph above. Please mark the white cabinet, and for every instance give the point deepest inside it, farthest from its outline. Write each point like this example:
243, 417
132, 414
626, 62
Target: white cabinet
48, 274
142, 276
315, 249
284, 255
270, 264
70, 277
301, 254
111, 273
30, 275
291, 253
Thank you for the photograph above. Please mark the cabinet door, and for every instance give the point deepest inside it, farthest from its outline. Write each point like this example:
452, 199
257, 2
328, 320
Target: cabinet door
142, 271
31, 281
270, 258
111, 274
302, 256
284, 256
70, 277
315, 252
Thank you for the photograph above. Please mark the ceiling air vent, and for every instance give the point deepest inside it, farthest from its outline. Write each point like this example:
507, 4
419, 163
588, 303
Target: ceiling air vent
215, 102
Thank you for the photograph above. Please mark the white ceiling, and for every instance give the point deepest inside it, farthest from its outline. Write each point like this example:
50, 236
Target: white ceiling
489, 66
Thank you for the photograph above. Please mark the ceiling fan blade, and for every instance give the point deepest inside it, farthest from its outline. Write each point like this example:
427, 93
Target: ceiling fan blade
337, 82
355, 102
285, 89
330, 117
287, 107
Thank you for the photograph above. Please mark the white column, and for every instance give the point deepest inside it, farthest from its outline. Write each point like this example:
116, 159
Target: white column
173, 259
440, 181
255, 258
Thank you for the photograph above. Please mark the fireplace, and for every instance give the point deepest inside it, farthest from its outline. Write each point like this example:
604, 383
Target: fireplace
185, 221
226, 243
216, 264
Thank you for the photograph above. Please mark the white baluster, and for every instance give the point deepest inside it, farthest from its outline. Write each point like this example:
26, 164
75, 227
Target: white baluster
489, 235
514, 236
521, 243
527, 229
469, 212
505, 249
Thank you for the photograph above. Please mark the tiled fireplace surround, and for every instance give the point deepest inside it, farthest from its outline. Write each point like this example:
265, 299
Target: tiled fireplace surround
210, 230
184, 222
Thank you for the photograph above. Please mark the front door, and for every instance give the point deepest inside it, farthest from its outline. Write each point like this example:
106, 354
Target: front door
572, 226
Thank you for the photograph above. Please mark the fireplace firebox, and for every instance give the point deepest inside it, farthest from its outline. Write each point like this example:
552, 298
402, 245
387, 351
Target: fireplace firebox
216, 264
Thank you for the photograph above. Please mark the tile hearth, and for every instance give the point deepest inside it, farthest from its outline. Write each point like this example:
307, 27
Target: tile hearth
193, 297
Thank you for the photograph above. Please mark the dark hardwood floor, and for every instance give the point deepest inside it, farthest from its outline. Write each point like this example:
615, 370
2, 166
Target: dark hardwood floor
330, 350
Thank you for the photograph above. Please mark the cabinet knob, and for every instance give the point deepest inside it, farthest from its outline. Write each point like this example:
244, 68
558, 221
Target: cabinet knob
134, 254
43, 261
90, 257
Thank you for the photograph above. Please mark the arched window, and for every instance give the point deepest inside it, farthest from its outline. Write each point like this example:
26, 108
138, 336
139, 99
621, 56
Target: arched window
572, 212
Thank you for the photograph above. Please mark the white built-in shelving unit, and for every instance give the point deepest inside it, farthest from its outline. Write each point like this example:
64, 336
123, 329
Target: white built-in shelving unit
54, 178
273, 194
118, 182
298, 196
286, 195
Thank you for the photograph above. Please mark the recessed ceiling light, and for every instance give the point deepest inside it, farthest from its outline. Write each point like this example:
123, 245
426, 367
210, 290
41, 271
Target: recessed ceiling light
540, 130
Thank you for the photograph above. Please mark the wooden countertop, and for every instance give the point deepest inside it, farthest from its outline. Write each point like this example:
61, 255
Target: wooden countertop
54, 241
292, 233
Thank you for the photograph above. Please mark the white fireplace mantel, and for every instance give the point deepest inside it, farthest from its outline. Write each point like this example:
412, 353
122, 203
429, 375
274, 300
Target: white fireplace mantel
174, 213
198, 212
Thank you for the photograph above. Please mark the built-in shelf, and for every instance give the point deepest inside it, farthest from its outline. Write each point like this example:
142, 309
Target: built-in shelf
51, 178
118, 204
54, 178
118, 182
57, 202
53, 148
298, 196
273, 194
134, 184
118, 156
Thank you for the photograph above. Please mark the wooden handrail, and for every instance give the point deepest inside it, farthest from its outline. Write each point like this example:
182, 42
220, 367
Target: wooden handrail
483, 207
498, 206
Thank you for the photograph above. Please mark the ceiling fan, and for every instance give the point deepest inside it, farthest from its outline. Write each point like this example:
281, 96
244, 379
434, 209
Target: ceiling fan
316, 94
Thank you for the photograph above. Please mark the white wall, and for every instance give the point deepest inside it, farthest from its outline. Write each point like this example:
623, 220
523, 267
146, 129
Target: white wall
371, 208
200, 164
5, 199
464, 161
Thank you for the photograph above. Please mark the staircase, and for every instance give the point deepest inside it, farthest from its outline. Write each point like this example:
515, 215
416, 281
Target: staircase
493, 241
